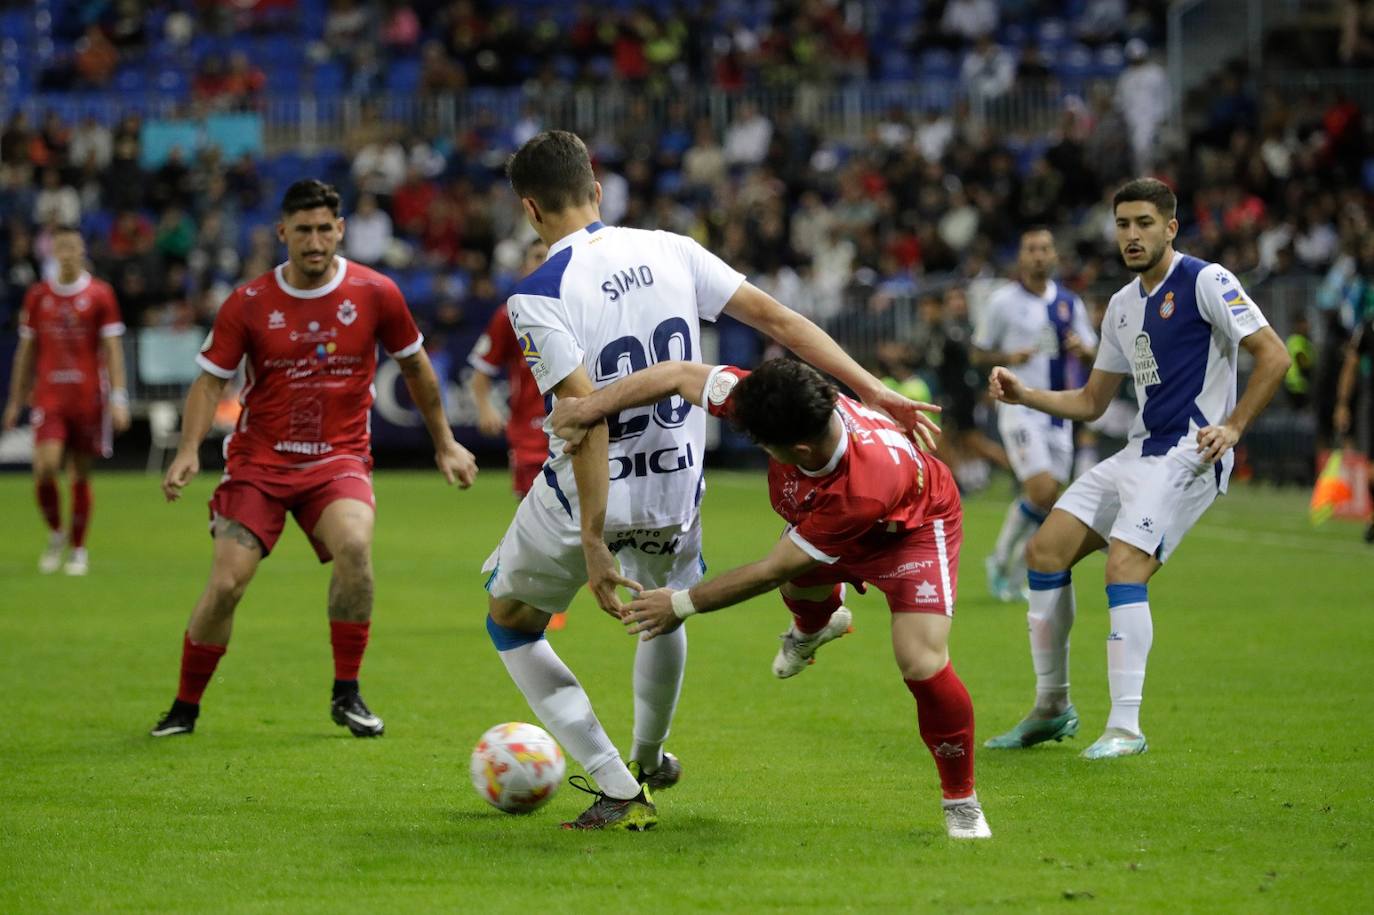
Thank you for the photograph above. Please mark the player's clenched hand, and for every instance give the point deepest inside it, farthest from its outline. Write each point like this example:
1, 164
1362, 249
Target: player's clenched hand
457, 464
184, 467
603, 577
651, 614
1003, 385
1215, 441
570, 421
909, 414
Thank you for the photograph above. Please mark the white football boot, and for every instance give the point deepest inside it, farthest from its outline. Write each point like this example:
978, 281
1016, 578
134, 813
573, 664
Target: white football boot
78, 563
799, 649
51, 560
964, 819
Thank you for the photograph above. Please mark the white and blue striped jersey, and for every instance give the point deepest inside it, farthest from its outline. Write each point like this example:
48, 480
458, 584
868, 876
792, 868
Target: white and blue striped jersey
613, 301
1016, 319
1180, 343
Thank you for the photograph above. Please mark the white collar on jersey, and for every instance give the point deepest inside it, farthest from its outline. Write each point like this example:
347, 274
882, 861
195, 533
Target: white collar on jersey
326, 289
572, 238
79, 286
1051, 290
1173, 265
840, 449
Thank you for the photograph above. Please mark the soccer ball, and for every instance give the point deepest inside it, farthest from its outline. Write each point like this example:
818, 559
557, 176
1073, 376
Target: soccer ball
517, 767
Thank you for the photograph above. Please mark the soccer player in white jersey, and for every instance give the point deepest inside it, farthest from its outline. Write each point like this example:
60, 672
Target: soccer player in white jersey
606, 302
1034, 326
1177, 329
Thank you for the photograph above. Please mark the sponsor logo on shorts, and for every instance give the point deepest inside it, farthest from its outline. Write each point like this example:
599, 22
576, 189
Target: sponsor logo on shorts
650, 542
1146, 524
906, 568
927, 593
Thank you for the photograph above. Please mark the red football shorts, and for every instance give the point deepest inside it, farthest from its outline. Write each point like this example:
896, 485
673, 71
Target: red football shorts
259, 498
919, 572
85, 430
524, 470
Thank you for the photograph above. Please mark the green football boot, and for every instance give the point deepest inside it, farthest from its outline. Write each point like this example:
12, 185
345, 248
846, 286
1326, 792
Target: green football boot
1036, 730
1114, 743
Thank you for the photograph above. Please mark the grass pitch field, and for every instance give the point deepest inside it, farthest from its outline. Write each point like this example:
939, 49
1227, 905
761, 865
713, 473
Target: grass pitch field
811, 794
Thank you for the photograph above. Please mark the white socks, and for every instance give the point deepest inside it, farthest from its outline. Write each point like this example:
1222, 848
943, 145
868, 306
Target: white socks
562, 705
657, 683
1022, 520
1128, 648
1049, 619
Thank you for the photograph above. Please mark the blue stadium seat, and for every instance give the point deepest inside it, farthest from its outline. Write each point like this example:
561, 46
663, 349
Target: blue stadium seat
403, 75
897, 65
939, 63
330, 78
130, 79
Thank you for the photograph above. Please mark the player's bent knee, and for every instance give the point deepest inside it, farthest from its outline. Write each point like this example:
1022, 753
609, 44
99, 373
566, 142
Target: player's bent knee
1044, 555
923, 662
354, 555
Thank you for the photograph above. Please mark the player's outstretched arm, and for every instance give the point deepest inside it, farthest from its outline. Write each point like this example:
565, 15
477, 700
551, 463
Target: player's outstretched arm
21, 376
767, 315
573, 416
455, 462
1271, 364
655, 613
1079, 405
196, 418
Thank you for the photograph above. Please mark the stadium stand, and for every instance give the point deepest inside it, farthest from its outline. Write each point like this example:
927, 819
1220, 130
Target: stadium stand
851, 157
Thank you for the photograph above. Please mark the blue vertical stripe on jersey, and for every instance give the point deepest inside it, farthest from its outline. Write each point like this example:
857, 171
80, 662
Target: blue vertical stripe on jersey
1061, 322
1180, 345
552, 479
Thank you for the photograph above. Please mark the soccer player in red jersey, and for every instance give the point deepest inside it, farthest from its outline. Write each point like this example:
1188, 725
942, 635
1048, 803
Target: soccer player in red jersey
862, 504
66, 328
309, 332
498, 351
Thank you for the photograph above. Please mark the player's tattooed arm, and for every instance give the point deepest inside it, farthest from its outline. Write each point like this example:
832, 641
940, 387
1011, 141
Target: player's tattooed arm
654, 613
454, 461
573, 416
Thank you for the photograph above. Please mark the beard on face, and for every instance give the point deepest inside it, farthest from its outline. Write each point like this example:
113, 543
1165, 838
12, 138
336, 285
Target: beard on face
1151, 258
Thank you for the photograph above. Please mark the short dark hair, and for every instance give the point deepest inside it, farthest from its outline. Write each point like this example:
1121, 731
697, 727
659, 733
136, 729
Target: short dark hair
308, 194
1036, 227
783, 402
1149, 190
555, 169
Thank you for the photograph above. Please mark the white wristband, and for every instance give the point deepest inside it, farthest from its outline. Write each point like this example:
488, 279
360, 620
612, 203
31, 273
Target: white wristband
682, 604
119, 397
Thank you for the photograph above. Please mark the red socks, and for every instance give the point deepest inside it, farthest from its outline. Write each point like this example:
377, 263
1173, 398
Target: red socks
81, 511
49, 503
944, 713
812, 615
198, 663
349, 641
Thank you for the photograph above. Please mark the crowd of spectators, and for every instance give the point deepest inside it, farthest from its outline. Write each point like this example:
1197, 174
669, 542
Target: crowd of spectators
840, 228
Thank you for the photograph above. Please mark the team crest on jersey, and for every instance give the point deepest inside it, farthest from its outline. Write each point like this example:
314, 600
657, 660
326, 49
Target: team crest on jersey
1166, 307
82, 303
1064, 311
276, 320
348, 312
1146, 367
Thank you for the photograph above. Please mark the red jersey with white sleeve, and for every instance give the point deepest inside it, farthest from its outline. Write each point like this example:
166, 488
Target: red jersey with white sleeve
67, 323
879, 511
496, 352
311, 360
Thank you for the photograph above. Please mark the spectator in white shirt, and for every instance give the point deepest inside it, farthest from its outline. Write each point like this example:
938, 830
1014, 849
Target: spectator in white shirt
988, 70
1142, 96
748, 136
56, 203
369, 233
969, 20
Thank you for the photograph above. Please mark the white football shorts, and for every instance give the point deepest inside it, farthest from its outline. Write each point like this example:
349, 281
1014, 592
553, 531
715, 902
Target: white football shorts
1034, 444
539, 561
1148, 502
